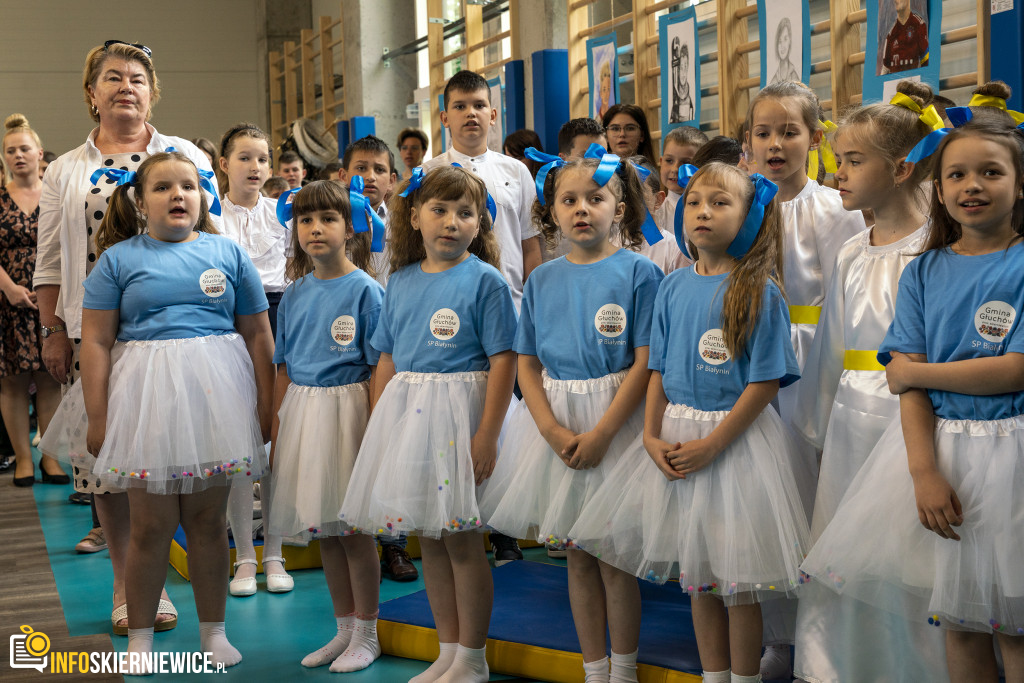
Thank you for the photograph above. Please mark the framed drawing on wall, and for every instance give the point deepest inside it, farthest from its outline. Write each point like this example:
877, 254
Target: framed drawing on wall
680, 70
602, 74
901, 35
785, 33
496, 135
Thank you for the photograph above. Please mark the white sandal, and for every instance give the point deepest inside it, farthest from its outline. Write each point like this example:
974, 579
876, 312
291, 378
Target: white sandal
241, 588
164, 607
278, 583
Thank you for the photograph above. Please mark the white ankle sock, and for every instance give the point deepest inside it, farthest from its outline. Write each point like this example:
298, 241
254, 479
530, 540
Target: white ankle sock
329, 652
362, 650
140, 640
470, 666
623, 668
736, 678
440, 665
596, 671
213, 639
716, 676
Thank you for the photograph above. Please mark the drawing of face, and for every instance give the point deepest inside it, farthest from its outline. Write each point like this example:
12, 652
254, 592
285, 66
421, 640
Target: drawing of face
783, 40
606, 88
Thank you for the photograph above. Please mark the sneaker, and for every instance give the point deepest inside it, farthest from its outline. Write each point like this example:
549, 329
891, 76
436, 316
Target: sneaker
94, 542
505, 549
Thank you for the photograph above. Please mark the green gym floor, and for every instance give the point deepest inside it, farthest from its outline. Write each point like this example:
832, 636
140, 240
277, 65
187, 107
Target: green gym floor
272, 631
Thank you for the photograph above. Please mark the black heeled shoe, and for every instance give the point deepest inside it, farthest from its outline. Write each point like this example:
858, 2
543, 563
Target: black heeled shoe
58, 479
25, 481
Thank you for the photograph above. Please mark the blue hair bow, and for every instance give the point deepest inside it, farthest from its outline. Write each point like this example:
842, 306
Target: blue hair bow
284, 207
415, 181
683, 176
206, 183
958, 116
608, 165
120, 176
764, 191
360, 209
550, 161
492, 208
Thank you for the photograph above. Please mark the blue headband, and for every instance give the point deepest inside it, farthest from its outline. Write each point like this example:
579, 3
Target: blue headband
764, 191
360, 209
683, 176
492, 208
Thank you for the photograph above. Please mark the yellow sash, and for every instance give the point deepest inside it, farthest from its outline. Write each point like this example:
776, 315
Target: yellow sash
861, 360
804, 315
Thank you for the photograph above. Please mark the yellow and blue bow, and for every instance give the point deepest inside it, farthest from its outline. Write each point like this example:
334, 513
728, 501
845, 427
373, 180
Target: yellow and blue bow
958, 116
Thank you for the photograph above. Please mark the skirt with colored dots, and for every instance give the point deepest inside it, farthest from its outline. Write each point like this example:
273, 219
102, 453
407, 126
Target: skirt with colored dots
876, 550
317, 442
414, 471
736, 528
533, 493
181, 416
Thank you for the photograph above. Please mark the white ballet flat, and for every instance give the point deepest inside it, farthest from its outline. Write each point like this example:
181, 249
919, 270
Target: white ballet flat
278, 583
241, 588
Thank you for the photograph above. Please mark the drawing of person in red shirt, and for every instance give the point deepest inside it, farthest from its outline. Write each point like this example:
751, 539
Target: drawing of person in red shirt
906, 44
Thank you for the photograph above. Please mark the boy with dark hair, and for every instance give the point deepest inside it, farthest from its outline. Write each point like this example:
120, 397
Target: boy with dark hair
330, 170
372, 159
576, 135
719, 148
468, 115
680, 145
291, 167
274, 187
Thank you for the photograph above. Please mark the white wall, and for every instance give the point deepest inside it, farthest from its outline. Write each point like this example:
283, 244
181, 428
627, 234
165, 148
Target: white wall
204, 51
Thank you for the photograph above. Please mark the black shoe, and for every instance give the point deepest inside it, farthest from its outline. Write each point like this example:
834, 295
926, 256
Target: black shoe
59, 479
505, 549
79, 498
25, 481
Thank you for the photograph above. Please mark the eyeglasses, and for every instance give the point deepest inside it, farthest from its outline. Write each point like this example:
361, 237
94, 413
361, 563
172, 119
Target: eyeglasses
149, 53
628, 128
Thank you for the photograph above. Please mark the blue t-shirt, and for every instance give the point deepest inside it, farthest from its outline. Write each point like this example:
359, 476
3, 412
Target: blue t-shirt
954, 307
446, 322
688, 348
324, 329
584, 321
175, 290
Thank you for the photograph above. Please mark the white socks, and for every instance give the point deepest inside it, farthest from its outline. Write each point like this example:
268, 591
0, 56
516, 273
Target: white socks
716, 676
470, 666
440, 665
333, 649
140, 640
596, 671
623, 668
363, 649
736, 678
212, 639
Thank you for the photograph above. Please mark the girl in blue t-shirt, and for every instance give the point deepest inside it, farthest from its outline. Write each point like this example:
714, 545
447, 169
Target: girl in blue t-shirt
322, 400
583, 340
717, 500
177, 383
441, 390
953, 464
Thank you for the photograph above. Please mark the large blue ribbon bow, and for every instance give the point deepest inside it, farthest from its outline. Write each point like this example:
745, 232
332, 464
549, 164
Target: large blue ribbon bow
764, 191
361, 209
284, 207
550, 162
206, 183
607, 166
120, 176
415, 181
683, 175
492, 208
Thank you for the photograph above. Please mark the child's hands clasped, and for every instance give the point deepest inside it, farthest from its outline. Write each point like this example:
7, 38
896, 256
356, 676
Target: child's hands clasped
560, 438
659, 451
938, 506
692, 456
586, 450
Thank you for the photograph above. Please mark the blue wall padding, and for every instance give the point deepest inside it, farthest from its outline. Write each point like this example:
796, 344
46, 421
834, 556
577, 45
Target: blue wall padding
550, 95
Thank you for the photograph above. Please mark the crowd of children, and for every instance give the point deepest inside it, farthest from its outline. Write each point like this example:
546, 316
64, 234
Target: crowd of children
691, 344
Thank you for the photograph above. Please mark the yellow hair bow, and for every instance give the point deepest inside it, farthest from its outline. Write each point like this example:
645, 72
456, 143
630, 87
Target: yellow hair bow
998, 103
929, 115
828, 157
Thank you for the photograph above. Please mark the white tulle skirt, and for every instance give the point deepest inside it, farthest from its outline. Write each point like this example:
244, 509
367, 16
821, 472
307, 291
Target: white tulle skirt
876, 550
736, 529
181, 416
414, 471
317, 443
533, 493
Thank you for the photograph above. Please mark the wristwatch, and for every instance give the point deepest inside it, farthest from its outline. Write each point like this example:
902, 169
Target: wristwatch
47, 331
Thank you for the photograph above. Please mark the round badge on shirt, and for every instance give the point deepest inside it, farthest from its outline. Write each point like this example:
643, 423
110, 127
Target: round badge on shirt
343, 329
712, 347
444, 324
994, 319
610, 320
213, 282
